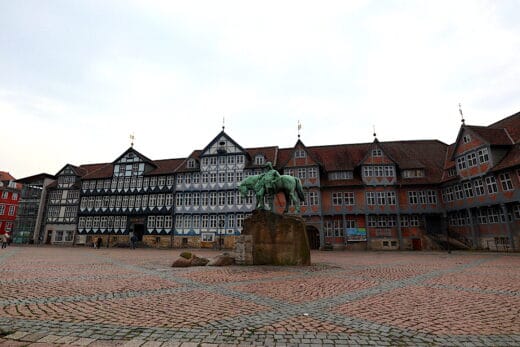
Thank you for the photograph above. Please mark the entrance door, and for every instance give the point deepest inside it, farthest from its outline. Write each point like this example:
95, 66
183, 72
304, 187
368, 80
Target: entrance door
313, 235
416, 244
139, 231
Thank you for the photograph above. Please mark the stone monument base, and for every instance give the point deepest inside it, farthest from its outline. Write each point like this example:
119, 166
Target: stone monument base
272, 239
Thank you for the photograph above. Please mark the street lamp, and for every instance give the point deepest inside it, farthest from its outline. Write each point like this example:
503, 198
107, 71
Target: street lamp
221, 227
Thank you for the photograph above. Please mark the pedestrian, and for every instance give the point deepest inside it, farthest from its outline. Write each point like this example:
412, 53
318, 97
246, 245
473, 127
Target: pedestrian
4, 241
133, 241
98, 243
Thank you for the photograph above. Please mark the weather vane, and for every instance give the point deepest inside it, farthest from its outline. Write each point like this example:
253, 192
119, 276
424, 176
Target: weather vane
374, 129
299, 128
461, 115
132, 138
223, 123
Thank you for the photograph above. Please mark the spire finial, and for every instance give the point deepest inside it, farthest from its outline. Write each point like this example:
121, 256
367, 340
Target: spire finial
132, 138
223, 123
299, 128
374, 130
461, 115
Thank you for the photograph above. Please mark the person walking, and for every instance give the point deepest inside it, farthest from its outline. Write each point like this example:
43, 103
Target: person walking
4, 241
133, 241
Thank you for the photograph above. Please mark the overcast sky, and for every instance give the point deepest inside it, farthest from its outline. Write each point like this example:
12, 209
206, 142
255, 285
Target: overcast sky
78, 77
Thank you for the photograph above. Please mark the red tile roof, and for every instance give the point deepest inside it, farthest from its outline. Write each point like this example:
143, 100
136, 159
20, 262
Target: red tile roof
511, 124
493, 136
6, 176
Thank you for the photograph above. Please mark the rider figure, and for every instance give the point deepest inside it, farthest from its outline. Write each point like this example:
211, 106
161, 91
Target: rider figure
267, 180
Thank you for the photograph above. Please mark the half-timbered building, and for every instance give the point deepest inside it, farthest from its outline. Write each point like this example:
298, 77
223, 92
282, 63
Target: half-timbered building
375, 195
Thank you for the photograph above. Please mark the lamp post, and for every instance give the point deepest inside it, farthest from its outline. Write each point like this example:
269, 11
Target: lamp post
221, 227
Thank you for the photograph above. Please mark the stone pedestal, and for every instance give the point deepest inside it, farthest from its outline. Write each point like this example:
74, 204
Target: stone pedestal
272, 239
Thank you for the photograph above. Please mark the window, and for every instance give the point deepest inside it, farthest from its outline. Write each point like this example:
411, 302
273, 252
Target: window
231, 159
15, 196
151, 222
302, 173
187, 221
212, 220
468, 189
479, 187
337, 199
391, 198
213, 177
483, 156
259, 159
169, 180
5, 194
230, 198
196, 199
466, 138
204, 220
376, 152
461, 163
459, 195
196, 221
191, 163
516, 211
231, 176
300, 153
179, 199
313, 198
472, 159
180, 179
313, 172
505, 181
413, 173
213, 199
371, 198
167, 222
341, 175
491, 183
432, 197
11, 210
412, 198
207, 237
349, 198
221, 177
221, 198
168, 198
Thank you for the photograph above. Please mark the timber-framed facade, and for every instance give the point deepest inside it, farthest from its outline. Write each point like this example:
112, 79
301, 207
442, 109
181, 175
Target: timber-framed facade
377, 195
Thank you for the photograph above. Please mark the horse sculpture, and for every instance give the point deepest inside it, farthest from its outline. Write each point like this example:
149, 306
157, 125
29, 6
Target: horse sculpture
269, 184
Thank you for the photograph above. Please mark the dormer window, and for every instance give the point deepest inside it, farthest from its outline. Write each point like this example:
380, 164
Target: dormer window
376, 152
413, 173
300, 153
191, 163
259, 160
466, 138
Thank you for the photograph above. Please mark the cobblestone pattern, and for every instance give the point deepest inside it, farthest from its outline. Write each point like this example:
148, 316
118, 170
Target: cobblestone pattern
64, 296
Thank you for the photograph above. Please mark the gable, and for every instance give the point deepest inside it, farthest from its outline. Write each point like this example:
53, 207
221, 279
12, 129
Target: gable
466, 141
376, 155
300, 156
222, 144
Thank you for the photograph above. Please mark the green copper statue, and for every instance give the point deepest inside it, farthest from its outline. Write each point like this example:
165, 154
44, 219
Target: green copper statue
269, 184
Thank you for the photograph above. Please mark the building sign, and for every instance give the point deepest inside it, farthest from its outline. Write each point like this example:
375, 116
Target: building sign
356, 234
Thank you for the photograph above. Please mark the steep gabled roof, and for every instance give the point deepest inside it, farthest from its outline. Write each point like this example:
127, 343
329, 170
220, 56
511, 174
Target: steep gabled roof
222, 133
36, 177
139, 154
288, 153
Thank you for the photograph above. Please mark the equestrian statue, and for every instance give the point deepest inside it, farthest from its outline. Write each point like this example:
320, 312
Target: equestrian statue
269, 184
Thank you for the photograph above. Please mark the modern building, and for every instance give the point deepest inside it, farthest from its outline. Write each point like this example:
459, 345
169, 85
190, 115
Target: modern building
28, 225
9, 199
389, 195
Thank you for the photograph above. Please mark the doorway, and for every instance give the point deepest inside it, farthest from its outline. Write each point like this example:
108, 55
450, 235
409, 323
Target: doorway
416, 244
313, 235
139, 231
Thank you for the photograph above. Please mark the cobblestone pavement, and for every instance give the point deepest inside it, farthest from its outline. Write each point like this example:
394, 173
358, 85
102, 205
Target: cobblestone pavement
122, 297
